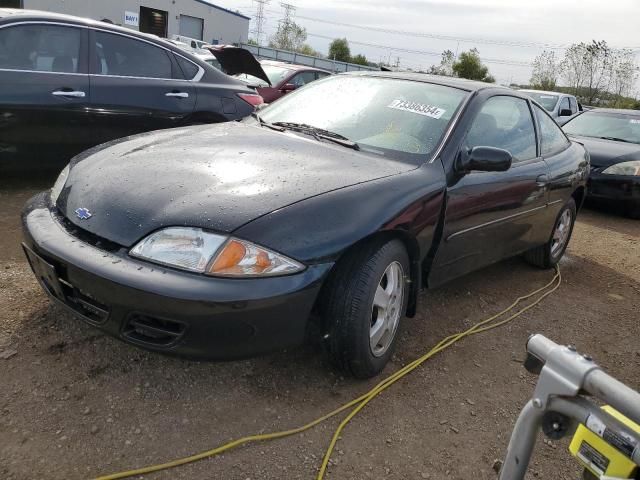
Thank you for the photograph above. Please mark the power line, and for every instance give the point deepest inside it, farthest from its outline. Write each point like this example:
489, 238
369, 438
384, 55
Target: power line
424, 52
439, 37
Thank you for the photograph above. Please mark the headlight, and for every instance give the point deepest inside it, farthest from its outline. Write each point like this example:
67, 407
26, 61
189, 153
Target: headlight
186, 248
199, 251
625, 168
59, 185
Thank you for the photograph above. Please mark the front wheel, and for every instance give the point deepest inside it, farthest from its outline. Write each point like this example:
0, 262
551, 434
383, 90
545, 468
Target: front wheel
549, 254
366, 301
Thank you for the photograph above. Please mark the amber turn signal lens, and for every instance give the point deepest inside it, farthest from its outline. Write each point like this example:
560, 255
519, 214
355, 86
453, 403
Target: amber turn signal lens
231, 255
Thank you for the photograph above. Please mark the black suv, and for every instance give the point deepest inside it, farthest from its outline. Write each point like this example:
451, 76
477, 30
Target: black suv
68, 83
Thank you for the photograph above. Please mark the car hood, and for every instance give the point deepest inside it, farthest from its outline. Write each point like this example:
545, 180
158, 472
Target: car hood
605, 153
236, 60
217, 177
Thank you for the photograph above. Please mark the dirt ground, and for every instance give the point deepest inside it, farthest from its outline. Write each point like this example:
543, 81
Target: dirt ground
75, 403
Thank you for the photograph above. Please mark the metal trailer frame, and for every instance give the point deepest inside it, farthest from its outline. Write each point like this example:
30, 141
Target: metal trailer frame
559, 404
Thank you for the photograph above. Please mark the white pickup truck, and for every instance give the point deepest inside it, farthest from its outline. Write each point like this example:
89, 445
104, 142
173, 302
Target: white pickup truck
558, 104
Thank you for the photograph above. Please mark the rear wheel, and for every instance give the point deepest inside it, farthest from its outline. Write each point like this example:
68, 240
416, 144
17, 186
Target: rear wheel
366, 301
549, 254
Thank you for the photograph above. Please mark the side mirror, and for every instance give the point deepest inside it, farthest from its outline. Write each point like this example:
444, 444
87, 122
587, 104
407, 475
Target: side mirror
484, 159
565, 112
288, 87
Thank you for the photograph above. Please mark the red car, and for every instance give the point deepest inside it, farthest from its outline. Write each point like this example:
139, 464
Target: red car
284, 78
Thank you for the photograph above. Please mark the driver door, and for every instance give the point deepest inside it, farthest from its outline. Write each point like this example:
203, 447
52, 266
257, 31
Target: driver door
493, 215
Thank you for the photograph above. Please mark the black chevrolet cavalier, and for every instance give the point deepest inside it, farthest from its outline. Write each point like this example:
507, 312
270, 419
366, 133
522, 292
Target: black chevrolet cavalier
329, 209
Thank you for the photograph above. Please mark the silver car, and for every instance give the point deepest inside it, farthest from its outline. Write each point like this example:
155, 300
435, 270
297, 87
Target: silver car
557, 104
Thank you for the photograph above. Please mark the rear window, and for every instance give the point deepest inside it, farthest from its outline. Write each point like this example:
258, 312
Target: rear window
547, 100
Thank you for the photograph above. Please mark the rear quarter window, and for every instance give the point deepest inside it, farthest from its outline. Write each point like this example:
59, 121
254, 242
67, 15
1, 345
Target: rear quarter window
552, 138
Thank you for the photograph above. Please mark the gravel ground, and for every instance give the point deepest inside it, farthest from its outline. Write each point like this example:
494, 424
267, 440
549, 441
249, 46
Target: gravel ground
75, 403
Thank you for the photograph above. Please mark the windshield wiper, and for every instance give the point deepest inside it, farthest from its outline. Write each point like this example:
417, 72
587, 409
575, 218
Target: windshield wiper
319, 133
616, 139
267, 124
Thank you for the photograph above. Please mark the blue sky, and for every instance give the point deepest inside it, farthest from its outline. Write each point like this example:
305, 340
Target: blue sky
550, 22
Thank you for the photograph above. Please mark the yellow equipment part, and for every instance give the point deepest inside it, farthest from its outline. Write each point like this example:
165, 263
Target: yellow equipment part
597, 454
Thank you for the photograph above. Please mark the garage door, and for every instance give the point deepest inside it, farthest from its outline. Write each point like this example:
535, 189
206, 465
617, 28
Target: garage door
191, 26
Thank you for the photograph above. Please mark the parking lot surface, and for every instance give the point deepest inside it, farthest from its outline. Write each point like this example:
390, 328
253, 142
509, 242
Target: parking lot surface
75, 403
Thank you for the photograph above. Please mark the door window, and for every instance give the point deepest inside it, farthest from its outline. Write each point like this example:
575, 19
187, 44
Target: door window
41, 48
122, 56
553, 138
504, 122
302, 78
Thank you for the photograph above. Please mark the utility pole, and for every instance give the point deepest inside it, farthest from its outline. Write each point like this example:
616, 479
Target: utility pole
259, 20
397, 62
289, 10
286, 26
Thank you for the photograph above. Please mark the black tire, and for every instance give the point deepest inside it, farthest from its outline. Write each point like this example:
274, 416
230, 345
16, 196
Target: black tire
348, 306
543, 256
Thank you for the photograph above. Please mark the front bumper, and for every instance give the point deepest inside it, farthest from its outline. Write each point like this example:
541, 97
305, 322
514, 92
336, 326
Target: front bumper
163, 309
622, 189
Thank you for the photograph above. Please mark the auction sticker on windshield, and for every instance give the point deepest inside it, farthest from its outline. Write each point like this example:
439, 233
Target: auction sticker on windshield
419, 108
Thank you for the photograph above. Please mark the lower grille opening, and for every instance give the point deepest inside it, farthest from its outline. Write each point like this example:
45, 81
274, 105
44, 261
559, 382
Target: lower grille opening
152, 330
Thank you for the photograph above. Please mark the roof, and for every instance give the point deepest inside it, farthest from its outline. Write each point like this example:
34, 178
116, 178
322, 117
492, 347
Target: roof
544, 92
461, 83
17, 11
292, 66
7, 14
619, 111
205, 2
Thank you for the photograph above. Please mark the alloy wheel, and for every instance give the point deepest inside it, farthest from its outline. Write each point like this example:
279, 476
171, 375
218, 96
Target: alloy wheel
387, 309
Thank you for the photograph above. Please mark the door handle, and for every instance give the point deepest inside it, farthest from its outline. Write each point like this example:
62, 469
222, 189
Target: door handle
69, 93
542, 181
177, 94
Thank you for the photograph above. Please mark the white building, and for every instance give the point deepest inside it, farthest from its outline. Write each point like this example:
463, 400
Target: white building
192, 18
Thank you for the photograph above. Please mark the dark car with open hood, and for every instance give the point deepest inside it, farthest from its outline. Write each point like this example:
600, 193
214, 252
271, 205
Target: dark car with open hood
68, 83
612, 137
323, 215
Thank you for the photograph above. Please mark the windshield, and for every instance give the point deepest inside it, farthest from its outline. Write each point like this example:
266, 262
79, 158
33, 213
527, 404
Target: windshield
399, 118
600, 124
547, 100
275, 74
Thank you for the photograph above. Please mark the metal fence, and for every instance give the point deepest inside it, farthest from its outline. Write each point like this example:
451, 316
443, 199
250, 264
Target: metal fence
300, 59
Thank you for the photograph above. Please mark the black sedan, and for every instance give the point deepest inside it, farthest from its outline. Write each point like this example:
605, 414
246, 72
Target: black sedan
68, 83
612, 137
326, 213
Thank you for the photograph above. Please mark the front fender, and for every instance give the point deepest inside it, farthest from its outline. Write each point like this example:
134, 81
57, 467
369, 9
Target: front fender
319, 229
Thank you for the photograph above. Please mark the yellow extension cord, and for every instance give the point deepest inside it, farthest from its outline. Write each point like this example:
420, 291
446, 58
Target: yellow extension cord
360, 402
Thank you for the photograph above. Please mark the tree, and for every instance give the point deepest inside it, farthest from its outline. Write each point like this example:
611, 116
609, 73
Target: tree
624, 73
470, 66
360, 60
446, 65
306, 49
339, 50
289, 36
546, 70
587, 68
253, 42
